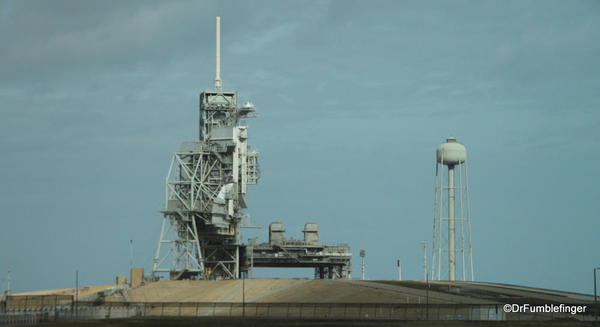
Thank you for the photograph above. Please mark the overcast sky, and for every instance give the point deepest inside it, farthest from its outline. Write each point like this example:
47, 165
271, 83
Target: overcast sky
353, 98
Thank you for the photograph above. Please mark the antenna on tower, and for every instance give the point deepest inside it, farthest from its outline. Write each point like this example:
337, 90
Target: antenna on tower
218, 55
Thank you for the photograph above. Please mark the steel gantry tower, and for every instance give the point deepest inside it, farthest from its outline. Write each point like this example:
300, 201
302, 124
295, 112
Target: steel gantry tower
205, 189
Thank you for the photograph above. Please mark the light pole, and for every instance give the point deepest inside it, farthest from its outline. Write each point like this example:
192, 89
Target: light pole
130, 255
595, 294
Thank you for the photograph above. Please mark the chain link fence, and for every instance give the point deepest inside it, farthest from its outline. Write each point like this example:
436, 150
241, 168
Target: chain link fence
351, 311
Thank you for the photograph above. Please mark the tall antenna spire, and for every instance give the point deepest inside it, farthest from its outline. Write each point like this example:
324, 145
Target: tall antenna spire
218, 55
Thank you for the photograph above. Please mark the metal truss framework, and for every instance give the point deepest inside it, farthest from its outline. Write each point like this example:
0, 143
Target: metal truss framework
204, 200
463, 250
329, 261
203, 241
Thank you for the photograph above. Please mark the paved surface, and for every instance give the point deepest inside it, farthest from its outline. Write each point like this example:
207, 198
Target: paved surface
290, 290
83, 290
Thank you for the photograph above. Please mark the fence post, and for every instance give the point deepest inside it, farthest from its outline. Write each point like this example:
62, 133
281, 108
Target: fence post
345, 309
314, 310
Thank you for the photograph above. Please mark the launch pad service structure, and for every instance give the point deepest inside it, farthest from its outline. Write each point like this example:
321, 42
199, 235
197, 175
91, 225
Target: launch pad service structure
204, 203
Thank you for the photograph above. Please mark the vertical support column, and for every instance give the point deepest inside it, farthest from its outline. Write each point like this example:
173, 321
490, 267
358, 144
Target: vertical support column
199, 255
451, 225
237, 261
362, 268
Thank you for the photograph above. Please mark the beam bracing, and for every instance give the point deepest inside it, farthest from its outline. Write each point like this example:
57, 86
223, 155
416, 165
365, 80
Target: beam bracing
204, 191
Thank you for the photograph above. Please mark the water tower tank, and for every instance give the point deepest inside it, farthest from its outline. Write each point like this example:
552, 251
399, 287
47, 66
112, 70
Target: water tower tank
451, 153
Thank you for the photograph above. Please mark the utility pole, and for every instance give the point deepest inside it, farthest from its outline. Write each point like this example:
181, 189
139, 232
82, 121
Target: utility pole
76, 293
426, 278
595, 294
8, 283
425, 268
130, 255
427, 295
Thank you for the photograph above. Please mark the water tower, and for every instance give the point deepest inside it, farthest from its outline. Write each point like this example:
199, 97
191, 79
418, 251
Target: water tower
452, 250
